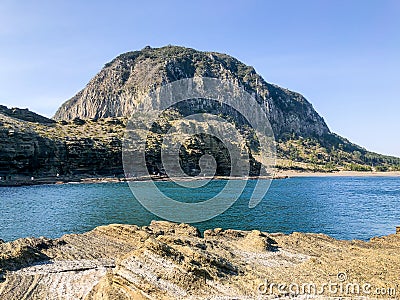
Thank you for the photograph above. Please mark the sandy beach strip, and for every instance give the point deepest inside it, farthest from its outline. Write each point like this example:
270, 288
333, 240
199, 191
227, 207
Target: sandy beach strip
291, 173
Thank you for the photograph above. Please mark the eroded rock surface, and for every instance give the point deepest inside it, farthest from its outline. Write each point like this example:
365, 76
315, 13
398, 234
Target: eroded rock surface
173, 261
57, 150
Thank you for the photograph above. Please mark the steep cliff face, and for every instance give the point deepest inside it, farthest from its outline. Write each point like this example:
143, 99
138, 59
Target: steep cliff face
29, 154
115, 90
29, 149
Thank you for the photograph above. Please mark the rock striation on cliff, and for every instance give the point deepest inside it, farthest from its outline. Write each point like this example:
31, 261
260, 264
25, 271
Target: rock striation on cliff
43, 149
174, 261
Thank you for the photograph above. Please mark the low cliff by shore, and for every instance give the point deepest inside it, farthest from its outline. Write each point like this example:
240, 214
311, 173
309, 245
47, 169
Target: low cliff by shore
174, 261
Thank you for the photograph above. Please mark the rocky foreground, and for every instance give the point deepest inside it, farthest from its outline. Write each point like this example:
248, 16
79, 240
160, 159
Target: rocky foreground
173, 261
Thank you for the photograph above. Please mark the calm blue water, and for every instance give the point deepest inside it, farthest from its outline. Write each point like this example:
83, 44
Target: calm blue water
343, 207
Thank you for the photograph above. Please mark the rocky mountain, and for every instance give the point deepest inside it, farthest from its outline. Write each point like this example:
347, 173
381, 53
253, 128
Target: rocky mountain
86, 136
116, 89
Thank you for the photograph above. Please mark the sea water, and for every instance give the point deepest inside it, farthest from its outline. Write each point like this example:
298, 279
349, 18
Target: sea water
342, 207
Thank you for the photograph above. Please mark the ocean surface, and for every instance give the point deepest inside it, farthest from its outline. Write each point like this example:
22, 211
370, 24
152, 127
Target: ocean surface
342, 207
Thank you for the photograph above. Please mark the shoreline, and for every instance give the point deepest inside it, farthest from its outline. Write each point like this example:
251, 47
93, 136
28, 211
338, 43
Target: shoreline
291, 173
108, 179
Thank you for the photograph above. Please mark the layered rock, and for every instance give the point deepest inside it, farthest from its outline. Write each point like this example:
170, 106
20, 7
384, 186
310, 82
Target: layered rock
33, 149
173, 261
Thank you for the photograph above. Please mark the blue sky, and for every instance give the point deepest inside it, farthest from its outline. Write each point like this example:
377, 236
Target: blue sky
343, 56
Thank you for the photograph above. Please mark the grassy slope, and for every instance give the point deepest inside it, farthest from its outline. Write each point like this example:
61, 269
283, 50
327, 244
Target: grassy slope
332, 153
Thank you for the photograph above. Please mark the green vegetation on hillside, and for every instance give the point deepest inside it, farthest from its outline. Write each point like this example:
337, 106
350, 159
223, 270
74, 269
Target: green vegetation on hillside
330, 153
334, 153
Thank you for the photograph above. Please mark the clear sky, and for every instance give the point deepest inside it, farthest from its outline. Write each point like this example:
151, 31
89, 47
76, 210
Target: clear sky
343, 55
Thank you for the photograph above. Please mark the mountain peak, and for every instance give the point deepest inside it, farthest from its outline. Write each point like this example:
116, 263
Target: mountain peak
117, 88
